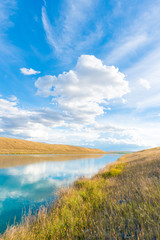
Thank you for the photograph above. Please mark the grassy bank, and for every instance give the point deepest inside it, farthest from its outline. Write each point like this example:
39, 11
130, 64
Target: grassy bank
120, 202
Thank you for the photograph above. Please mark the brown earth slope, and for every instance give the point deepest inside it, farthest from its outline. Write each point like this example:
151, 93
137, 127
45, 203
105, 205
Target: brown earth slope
17, 146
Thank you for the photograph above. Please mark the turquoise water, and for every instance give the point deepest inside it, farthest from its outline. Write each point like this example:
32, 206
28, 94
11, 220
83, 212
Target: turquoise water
30, 186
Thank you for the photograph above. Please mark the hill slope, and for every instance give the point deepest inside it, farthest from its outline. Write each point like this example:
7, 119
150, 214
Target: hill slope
13, 146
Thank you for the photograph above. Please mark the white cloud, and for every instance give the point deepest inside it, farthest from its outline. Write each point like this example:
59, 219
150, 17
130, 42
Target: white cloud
29, 71
141, 134
16, 121
82, 92
48, 29
47, 125
126, 47
144, 83
147, 68
136, 50
6, 10
8, 51
45, 85
124, 101
13, 98
137, 38
67, 36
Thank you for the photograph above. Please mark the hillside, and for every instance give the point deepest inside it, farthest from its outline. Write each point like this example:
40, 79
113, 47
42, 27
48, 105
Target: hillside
17, 146
120, 202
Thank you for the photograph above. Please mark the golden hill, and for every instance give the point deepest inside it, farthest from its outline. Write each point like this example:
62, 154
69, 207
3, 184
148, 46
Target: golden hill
17, 146
143, 155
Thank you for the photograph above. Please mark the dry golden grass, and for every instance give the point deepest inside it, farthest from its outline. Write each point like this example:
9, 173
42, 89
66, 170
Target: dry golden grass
17, 146
148, 155
120, 202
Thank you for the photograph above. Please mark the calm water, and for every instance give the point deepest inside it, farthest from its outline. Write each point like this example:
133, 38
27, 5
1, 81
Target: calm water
31, 185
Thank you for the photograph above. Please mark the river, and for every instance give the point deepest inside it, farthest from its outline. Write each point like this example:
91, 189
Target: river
27, 182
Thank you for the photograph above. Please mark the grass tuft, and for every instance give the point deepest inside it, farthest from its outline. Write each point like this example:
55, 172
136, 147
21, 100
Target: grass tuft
114, 171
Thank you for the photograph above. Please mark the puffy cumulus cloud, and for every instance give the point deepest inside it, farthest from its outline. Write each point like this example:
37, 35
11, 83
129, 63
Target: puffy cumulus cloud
45, 85
29, 71
144, 83
83, 92
7, 108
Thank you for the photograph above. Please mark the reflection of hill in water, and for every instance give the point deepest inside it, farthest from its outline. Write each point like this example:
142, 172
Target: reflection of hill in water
7, 161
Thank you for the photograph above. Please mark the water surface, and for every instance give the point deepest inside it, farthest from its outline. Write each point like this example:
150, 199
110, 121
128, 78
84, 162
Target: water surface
36, 180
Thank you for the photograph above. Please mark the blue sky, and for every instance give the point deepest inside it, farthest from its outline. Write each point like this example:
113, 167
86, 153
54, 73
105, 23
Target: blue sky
81, 72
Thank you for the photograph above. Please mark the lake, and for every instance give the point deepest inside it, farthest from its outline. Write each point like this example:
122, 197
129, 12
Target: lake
27, 181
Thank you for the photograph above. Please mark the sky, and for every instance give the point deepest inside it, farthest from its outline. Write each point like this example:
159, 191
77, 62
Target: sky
81, 72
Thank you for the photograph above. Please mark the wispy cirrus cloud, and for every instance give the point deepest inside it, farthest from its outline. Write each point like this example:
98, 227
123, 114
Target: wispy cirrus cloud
144, 83
136, 51
75, 30
148, 69
29, 71
49, 30
126, 47
7, 9
8, 51
137, 37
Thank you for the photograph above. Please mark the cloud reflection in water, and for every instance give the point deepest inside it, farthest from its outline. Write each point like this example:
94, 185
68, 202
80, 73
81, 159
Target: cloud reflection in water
24, 186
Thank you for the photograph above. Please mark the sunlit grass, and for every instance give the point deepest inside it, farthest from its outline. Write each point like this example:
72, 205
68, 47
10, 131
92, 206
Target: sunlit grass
119, 203
114, 171
18, 146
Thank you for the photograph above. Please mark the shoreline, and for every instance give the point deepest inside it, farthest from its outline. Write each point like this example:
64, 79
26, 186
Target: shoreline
123, 192
63, 189
61, 154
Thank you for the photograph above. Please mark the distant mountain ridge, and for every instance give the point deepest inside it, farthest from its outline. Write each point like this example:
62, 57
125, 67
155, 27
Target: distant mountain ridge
18, 146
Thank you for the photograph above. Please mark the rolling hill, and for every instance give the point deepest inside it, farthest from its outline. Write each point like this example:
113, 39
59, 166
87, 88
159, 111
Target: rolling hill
17, 146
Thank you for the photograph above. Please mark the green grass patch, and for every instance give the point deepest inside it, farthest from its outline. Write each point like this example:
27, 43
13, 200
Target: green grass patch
114, 171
